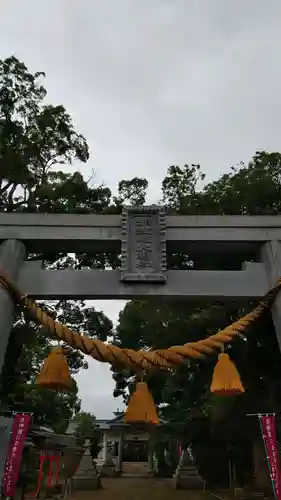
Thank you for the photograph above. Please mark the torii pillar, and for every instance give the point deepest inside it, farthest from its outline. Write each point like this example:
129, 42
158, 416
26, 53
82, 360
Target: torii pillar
271, 257
12, 253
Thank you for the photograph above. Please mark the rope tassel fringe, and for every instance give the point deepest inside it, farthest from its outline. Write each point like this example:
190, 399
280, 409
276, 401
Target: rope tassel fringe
141, 407
226, 380
55, 373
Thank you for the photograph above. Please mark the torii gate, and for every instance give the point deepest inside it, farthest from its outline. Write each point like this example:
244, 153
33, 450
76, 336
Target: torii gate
144, 236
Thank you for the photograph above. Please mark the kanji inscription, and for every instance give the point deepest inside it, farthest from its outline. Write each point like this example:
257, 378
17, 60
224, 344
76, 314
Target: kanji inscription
144, 239
143, 245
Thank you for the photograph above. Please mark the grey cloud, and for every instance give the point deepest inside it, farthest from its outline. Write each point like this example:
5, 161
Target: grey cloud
96, 387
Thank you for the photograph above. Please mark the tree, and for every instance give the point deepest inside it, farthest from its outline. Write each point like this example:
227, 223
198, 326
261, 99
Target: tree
36, 139
248, 189
33, 137
27, 349
179, 187
252, 189
86, 428
132, 192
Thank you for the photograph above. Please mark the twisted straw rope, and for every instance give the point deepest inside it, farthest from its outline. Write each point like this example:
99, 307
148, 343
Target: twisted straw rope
142, 360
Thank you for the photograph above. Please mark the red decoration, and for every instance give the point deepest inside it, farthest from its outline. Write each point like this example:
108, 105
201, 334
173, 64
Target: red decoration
269, 436
13, 461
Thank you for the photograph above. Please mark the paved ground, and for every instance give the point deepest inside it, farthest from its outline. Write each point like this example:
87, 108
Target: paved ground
139, 489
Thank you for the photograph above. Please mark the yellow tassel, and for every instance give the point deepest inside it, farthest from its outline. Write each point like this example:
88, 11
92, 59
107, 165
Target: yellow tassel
55, 371
226, 380
141, 407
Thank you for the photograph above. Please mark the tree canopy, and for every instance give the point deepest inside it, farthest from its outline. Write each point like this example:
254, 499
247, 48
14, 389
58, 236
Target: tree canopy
248, 189
86, 428
37, 141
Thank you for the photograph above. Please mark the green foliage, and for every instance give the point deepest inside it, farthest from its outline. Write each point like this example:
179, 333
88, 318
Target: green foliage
86, 428
28, 347
179, 187
34, 137
252, 189
36, 140
85, 424
131, 192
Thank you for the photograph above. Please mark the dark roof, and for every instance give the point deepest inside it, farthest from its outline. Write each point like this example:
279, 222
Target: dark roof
52, 438
116, 421
105, 424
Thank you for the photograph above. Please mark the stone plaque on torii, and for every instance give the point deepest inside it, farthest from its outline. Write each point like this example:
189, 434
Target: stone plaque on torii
143, 245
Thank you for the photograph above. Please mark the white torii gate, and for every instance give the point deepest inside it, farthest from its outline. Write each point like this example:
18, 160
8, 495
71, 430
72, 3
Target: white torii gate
143, 236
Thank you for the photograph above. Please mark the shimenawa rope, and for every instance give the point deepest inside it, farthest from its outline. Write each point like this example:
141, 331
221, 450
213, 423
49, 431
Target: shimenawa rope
142, 360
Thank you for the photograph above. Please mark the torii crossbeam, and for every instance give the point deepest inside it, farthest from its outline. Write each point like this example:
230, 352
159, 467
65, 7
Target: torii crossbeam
143, 236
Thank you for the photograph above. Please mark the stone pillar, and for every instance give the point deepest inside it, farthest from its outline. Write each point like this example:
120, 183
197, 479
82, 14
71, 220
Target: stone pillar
105, 448
271, 257
187, 476
120, 453
12, 253
86, 476
108, 465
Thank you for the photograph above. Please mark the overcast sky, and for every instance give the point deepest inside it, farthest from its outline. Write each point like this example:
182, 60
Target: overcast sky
152, 83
